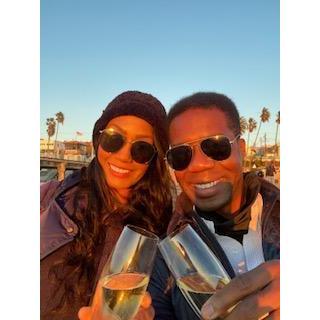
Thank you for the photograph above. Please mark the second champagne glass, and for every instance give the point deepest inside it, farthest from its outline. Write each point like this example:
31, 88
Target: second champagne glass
125, 277
197, 271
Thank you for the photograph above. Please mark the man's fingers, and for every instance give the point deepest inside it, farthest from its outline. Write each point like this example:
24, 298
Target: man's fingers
240, 287
259, 304
146, 301
249, 282
270, 295
85, 313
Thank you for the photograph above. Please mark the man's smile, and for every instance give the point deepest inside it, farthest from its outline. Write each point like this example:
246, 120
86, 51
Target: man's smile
208, 189
206, 185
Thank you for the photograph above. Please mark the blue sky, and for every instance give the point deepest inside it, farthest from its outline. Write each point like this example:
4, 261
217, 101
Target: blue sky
93, 50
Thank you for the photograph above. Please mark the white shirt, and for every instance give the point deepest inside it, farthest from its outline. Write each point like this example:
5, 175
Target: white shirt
248, 255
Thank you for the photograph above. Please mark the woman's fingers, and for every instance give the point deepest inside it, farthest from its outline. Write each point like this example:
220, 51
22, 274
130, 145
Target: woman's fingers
146, 311
146, 301
85, 313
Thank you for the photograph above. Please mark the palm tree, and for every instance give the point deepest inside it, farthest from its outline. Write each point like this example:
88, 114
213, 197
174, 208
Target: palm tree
51, 128
275, 141
59, 119
243, 125
264, 117
252, 125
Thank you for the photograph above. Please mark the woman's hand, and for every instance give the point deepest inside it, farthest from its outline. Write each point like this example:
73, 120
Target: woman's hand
146, 311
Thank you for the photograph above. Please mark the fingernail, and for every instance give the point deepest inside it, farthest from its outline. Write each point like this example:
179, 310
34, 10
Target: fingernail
207, 310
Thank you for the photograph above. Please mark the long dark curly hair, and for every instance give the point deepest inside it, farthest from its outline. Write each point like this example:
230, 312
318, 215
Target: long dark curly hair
149, 206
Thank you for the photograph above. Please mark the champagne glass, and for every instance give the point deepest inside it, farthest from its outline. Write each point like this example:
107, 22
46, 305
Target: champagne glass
197, 271
125, 276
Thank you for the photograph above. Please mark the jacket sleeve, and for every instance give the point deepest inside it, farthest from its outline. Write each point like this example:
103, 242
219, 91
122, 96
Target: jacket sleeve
271, 234
161, 299
47, 191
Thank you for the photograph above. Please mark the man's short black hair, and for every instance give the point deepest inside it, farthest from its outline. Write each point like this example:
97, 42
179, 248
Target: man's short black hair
208, 100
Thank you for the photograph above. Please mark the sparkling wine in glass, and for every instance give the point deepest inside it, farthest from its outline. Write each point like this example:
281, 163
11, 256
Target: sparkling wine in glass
125, 277
197, 271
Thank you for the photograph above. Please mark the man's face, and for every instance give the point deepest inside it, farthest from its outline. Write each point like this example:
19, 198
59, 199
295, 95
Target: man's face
210, 184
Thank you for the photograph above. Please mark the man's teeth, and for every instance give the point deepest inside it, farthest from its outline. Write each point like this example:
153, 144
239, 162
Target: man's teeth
206, 185
119, 170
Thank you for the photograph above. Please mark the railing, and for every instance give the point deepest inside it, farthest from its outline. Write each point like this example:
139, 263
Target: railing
62, 165
51, 156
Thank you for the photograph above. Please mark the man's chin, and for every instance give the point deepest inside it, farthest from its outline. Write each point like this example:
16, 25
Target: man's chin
220, 200
208, 205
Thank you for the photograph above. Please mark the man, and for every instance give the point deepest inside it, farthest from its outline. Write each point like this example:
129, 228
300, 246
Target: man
236, 214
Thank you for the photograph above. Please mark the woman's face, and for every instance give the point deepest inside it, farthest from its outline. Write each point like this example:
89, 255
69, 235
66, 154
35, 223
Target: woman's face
120, 170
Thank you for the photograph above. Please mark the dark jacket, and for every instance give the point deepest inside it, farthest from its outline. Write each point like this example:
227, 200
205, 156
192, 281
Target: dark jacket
57, 232
168, 301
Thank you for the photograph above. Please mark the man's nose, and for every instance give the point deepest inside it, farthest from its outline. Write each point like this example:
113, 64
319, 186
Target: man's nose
200, 161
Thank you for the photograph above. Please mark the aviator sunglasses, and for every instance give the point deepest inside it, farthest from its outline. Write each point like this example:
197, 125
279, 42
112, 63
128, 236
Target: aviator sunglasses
112, 141
217, 147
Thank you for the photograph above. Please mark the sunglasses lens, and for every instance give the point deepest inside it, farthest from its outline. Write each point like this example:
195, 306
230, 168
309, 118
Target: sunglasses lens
179, 158
142, 152
111, 142
217, 148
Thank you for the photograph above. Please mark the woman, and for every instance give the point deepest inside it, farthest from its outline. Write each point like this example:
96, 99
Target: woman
83, 216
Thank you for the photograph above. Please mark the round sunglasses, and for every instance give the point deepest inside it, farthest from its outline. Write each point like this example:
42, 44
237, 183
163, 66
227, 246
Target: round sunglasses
216, 147
112, 141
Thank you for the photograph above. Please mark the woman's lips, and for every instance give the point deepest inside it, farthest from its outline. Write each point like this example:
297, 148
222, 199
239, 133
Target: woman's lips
119, 172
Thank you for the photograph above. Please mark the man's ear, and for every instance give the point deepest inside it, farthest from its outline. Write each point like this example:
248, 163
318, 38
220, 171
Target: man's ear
242, 145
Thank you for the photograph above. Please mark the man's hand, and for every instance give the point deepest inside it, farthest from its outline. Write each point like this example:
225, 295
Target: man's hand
256, 293
146, 311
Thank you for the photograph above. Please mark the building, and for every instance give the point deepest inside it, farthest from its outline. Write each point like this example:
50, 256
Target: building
50, 148
78, 150
69, 150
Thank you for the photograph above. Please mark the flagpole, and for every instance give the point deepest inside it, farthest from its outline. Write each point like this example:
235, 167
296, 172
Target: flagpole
78, 133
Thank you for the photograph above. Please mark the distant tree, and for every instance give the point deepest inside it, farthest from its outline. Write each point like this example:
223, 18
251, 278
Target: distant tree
51, 128
264, 117
59, 119
252, 125
276, 138
243, 125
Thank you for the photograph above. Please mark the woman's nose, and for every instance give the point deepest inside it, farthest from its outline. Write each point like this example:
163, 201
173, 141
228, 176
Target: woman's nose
124, 154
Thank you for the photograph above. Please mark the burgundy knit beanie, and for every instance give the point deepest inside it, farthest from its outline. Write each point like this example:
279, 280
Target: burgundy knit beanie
139, 104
